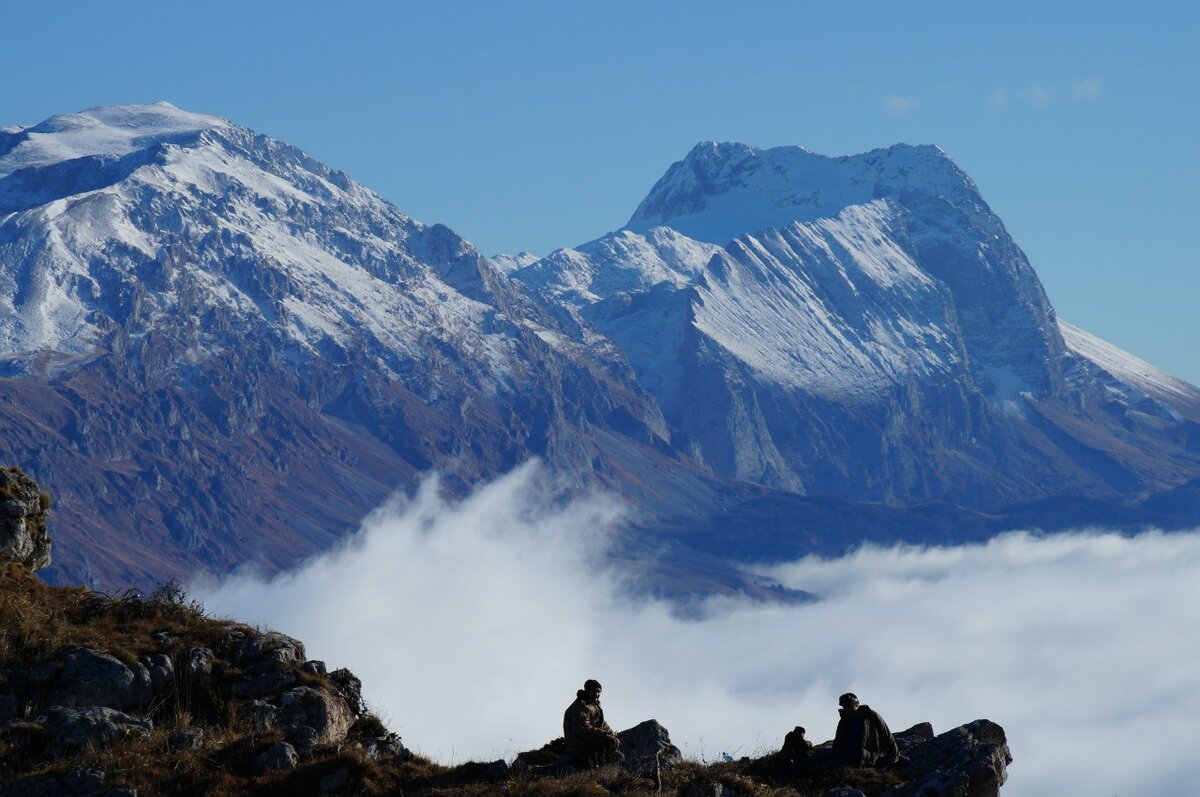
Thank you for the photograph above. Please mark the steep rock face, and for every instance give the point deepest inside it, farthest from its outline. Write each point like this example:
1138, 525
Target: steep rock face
864, 327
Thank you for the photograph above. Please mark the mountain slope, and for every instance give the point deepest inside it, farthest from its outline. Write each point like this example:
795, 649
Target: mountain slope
238, 352
218, 352
864, 327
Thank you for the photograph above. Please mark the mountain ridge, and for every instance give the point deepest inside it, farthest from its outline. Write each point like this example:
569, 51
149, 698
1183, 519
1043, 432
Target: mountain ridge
239, 351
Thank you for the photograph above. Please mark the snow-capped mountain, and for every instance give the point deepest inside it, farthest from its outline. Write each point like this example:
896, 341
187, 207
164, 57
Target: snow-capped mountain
219, 341
863, 326
216, 350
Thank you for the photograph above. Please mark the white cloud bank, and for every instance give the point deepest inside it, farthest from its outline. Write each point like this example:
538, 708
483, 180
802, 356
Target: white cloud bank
472, 624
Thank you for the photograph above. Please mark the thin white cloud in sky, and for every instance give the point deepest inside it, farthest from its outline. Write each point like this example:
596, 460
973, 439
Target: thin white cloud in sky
1037, 96
899, 105
472, 624
1087, 90
998, 100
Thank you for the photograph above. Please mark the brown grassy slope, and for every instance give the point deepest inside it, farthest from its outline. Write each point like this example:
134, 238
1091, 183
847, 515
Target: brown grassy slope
38, 622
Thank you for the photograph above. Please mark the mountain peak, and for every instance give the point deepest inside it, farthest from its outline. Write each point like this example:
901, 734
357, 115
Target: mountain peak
110, 130
722, 190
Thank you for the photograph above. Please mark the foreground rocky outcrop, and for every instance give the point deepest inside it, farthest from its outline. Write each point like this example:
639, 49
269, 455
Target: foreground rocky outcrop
125, 683
23, 535
121, 696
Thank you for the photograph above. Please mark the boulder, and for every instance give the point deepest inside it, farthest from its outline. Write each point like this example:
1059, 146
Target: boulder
350, 688
918, 734
277, 756
92, 678
264, 678
384, 747
248, 646
303, 738
161, 670
324, 712
23, 508
648, 745
73, 730
262, 713
969, 761
200, 664
646, 748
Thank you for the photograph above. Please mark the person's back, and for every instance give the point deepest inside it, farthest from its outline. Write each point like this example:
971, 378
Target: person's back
862, 737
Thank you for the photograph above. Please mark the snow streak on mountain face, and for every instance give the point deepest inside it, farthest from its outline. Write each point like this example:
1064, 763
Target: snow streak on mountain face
216, 349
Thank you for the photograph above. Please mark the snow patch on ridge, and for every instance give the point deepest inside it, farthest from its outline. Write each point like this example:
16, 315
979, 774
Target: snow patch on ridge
721, 191
111, 130
1126, 367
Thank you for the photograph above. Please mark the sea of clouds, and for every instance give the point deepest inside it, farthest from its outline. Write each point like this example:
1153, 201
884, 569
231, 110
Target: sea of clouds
472, 623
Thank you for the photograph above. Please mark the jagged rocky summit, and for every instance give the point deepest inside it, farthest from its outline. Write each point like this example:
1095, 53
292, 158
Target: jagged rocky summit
217, 350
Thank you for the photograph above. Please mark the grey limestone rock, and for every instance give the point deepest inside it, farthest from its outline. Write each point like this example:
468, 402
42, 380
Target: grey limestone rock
350, 688
265, 678
72, 730
161, 670
23, 535
322, 711
278, 756
644, 743
200, 663
969, 761
384, 747
93, 678
303, 738
247, 646
315, 667
918, 734
262, 713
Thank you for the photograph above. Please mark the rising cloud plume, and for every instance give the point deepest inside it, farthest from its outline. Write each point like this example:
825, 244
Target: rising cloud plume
472, 624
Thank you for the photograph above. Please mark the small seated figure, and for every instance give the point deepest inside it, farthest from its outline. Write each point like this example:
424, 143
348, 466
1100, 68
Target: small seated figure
795, 751
590, 741
862, 738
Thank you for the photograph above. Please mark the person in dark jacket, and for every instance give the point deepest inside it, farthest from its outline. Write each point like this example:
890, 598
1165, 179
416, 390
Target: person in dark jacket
862, 738
796, 751
590, 742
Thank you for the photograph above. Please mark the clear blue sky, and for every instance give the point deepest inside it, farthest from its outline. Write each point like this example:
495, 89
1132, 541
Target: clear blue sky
533, 125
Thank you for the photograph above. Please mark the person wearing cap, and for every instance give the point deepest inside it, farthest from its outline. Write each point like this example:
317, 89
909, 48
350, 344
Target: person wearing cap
590, 742
862, 738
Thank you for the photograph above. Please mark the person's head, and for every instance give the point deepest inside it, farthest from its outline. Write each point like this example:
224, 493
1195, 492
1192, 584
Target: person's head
849, 701
591, 690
